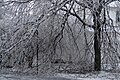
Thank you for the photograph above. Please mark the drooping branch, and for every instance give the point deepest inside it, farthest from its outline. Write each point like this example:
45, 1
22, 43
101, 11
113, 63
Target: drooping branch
78, 17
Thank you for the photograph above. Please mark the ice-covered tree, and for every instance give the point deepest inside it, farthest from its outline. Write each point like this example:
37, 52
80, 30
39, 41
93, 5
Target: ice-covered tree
58, 24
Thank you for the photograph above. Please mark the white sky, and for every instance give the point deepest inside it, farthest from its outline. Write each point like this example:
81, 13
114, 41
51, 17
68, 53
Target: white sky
114, 4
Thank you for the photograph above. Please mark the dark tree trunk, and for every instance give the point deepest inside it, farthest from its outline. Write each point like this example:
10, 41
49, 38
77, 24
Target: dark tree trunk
97, 44
37, 51
97, 49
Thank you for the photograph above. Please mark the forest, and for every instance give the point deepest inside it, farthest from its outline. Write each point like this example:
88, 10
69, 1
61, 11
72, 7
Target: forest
42, 37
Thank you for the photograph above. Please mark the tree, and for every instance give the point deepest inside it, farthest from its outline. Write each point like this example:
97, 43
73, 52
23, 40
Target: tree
96, 8
55, 21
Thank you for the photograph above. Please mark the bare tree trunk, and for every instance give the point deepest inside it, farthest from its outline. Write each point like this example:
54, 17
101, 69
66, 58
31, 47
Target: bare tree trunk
97, 45
37, 51
97, 49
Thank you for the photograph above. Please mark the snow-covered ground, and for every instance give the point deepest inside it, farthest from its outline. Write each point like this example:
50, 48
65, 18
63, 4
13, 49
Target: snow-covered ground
89, 76
92, 76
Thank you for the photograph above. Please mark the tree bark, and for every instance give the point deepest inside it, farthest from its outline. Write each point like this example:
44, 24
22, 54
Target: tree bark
97, 48
37, 52
97, 45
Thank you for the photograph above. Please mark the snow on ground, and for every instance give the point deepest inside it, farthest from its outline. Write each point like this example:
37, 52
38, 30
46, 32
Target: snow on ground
92, 76
89, 76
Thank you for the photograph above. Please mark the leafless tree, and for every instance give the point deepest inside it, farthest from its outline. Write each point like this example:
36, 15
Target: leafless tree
38, 32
